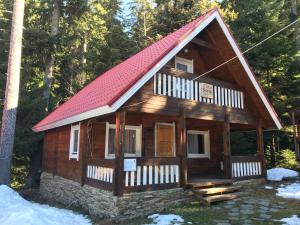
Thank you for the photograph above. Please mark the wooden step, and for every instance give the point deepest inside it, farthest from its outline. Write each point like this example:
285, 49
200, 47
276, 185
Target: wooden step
207, 184
219, 198
216, 190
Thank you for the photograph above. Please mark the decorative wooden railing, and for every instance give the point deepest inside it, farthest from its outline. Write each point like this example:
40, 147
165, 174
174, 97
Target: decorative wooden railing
153, 173
244, 167
184, 88
100, 173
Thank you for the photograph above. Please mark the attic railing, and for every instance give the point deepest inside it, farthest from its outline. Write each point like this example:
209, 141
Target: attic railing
169, 84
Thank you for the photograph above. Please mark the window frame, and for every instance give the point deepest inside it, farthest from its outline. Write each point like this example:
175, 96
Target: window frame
206, 135
73, 155
189, 63
174, 139
138, 144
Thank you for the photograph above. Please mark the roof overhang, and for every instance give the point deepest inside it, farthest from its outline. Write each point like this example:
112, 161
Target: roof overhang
131, 91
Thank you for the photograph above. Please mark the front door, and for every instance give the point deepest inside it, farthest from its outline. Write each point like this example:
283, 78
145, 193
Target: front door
165, 140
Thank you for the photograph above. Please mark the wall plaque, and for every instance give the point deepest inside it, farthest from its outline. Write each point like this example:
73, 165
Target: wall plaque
129, 165
207, 90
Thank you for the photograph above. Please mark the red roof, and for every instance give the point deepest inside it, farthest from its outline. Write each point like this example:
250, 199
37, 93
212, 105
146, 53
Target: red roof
112, 84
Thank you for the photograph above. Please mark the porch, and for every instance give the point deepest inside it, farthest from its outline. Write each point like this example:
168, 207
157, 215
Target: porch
153, 172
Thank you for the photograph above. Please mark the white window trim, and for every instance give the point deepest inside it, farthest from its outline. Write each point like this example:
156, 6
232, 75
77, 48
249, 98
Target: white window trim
73, 155
174, 139
138, 143
206, 144
189, 63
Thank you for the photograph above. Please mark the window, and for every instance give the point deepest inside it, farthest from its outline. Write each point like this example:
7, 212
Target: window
198, 144
184, 64
74, 142
165, 140
133, 141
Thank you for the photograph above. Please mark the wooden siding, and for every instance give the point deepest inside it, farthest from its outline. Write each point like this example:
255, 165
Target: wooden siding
56, 153
212, 165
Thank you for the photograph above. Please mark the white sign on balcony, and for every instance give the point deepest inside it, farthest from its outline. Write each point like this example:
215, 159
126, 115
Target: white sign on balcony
129, 165
207, 90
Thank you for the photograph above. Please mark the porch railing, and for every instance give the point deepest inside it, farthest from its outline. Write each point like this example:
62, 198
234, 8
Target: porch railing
100, 173
153, 173
244, 167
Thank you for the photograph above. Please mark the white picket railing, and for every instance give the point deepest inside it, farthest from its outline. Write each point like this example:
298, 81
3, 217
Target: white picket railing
191, 90
246, 169
100, 173
152, 175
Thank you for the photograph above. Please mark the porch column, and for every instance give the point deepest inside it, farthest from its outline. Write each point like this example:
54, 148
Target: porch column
260, 147
295, 136
226, 148
182, 151
118, 182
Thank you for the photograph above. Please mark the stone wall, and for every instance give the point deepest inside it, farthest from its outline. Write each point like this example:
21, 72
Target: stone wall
101, 203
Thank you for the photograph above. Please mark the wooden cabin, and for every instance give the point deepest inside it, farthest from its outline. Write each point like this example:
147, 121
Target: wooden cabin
156, 122
295, 115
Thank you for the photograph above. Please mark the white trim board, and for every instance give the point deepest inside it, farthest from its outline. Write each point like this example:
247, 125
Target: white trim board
131, 91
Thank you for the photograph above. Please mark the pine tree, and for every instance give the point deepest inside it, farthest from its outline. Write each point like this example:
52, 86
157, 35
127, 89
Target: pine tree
56, 11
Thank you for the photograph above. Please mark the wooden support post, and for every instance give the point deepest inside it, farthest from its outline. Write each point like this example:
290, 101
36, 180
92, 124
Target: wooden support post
118, 183
182, 147
295, 136
55, 152
260, 147
83, 149
226, 148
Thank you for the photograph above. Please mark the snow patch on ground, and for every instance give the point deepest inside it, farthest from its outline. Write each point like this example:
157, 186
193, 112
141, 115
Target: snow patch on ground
15, 211
289, 191
277, 174
268, 187
293, 220
169, 219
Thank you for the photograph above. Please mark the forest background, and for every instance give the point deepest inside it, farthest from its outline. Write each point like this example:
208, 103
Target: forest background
68, 43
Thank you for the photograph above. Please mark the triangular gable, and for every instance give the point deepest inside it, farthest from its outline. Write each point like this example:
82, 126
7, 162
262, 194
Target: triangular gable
125, 79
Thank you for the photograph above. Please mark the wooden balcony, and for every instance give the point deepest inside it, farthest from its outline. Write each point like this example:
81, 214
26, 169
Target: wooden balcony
177, 84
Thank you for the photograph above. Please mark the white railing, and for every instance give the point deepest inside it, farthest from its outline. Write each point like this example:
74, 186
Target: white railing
152, 175
100, 173
245, 168
194, 90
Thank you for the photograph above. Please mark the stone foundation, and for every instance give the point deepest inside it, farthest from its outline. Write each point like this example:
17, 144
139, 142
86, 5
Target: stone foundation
101, 203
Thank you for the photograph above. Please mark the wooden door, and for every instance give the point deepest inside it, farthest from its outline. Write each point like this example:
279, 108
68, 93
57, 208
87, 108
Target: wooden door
165, 140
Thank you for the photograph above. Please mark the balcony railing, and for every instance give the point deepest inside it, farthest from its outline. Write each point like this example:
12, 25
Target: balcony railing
183, 88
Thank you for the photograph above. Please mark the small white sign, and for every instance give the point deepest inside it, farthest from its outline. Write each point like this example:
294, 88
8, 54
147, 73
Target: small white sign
207, 90
129, 165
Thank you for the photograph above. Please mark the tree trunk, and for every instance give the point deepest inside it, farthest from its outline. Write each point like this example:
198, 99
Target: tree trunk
48, 77
272, 151
295, 15
11, 92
